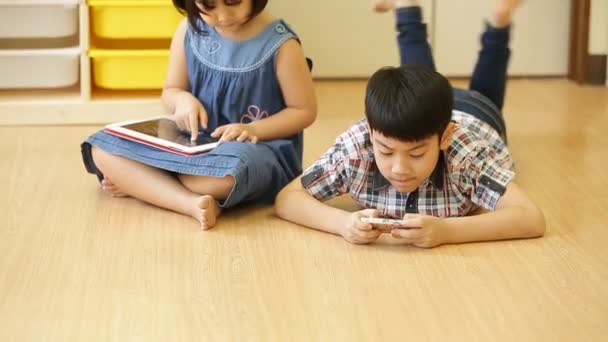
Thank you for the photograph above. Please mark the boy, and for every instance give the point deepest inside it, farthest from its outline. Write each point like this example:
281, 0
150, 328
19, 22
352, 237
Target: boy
425, 154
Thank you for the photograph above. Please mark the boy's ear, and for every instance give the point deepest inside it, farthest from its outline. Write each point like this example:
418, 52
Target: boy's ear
446, 137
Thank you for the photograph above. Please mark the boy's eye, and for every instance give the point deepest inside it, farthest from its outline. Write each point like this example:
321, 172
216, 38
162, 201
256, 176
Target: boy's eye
385, 153
417, 155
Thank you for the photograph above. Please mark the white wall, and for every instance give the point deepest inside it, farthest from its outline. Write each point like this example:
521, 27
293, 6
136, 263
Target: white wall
343, 37
598, 27
598, 30
346, 39
539, 38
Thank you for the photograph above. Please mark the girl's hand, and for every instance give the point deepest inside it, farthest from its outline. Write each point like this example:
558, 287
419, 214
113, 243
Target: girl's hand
189, 114
239, 132
355, 231
421, 230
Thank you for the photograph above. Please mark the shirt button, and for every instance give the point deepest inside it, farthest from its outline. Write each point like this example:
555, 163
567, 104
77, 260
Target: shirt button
280, 29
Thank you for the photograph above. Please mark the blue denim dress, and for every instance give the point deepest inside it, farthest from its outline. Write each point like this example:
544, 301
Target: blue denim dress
236, 82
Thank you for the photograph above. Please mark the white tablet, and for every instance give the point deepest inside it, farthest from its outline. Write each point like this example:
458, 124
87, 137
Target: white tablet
162, 132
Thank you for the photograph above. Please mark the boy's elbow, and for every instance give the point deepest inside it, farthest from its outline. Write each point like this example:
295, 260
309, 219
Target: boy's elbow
280, 204
541, 224
538, 224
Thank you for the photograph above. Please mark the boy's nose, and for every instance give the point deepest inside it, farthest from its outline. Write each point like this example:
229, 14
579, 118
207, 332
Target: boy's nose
402, 168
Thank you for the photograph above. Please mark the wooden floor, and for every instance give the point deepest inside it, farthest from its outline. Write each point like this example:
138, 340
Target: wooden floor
76, 265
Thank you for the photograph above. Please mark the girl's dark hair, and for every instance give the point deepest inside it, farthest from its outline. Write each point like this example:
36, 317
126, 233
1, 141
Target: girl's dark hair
189, 8
409, 103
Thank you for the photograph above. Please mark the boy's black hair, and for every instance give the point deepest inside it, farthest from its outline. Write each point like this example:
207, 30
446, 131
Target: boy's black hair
409, 103
189, 8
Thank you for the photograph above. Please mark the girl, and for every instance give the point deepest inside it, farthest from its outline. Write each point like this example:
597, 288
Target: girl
239, 73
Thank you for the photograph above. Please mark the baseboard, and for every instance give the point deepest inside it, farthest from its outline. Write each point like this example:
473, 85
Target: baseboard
596, 69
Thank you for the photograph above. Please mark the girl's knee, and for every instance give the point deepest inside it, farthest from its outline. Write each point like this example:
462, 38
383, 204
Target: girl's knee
100, 157
105, 161
217, 187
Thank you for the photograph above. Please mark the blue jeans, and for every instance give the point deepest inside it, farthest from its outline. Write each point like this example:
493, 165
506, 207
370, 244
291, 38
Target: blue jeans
485, 96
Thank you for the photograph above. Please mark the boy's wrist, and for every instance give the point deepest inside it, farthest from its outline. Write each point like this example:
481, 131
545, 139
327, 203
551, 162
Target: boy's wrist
448, 235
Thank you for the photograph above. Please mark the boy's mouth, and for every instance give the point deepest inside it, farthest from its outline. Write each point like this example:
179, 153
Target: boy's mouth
403, 181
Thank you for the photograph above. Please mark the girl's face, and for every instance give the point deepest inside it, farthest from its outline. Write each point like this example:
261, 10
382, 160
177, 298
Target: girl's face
225, 15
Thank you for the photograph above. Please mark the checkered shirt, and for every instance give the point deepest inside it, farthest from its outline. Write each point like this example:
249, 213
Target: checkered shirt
473, 172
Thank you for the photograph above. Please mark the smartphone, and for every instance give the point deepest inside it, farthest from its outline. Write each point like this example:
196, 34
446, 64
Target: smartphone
383, 223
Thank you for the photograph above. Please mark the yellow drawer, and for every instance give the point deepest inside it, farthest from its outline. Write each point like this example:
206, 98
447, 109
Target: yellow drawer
126, 19
129, 69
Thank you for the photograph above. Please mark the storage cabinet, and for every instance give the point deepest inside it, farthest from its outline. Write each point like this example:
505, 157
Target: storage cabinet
39, 44
38, 19
39, 68
71, 61
129, 69
130, 42
133, 19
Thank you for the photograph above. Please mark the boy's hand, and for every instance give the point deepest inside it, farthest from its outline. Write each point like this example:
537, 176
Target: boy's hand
355, 231
189, 113
421, 231
239, 132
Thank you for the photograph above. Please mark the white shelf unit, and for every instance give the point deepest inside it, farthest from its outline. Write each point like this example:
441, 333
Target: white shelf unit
27, 99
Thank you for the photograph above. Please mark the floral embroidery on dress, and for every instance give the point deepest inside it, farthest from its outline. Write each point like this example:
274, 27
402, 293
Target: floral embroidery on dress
254, 113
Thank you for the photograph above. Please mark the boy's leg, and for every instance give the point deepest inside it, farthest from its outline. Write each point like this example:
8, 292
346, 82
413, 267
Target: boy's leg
490, 74
412, 34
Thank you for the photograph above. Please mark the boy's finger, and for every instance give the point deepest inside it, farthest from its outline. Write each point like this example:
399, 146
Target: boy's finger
369, 212
411, 222
407, 233
369, 234
363, 226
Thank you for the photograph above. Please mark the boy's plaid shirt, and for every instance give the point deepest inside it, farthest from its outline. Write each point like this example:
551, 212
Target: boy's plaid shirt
473, 172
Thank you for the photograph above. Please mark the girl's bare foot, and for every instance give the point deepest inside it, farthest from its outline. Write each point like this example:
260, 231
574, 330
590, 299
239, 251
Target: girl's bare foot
207, 211
503, 11
112, 189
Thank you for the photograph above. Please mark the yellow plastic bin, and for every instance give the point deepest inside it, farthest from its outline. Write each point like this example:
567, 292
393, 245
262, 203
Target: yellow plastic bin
129, 69
128, 19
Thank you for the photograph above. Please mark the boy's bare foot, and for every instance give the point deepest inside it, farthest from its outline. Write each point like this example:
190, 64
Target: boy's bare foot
383, 5
207, 211
112, 189
387, 5
503, 11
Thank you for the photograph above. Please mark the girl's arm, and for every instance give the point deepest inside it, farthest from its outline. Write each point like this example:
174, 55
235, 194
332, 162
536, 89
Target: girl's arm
176, 96
176, 81
296, 85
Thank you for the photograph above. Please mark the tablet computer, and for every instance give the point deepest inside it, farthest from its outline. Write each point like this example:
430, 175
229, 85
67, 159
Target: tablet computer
162, 132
